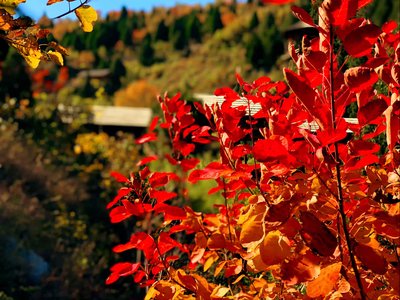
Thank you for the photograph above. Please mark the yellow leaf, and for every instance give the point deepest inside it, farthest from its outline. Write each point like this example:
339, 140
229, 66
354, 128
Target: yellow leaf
325, 282
56, 57
10, 5
33, 58
152, 293
87, 16
219, 291
210, 260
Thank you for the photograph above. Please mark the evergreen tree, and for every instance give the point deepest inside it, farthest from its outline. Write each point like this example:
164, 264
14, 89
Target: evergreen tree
107, 35
271, 40
87, 89
255, 52
254, 22
117, 68
213, 21
273, 47
161, 32
126, 36
178, 35
193, 28
146, 52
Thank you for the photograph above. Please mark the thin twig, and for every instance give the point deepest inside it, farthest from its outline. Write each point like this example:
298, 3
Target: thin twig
227, 213
71, 10
338, 174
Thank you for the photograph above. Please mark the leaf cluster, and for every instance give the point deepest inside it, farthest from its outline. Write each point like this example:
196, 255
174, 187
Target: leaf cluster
310, 207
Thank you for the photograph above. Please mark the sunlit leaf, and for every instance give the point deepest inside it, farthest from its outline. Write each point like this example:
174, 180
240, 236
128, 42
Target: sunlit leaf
325, 282
56, 57
275, 248
87, 15
10, 5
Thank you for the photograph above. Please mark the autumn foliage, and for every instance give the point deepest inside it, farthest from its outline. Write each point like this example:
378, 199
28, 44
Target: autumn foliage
306, 214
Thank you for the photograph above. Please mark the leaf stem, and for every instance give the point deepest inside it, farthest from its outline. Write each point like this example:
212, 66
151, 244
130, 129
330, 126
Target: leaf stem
338, 173
71, 10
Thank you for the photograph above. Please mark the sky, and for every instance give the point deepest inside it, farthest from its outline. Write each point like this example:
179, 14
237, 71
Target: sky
36, 8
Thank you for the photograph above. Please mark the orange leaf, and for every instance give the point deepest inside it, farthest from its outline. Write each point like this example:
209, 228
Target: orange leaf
253, 229
275, 248
325, 282
301, 269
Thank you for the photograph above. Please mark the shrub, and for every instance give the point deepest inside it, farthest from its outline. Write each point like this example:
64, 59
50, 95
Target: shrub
137, 94
306, 213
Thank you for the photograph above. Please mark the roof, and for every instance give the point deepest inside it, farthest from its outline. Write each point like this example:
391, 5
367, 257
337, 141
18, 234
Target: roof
97, 73
110, 115
299, 29
255, 107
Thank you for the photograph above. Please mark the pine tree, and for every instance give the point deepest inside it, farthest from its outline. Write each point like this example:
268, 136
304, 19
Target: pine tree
146, 52
126, 36
213, 21
87, 89
177, 34
161, 32
254, 22
193, 28
255, 52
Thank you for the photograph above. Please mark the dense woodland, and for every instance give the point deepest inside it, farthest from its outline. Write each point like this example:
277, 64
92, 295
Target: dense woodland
55, 178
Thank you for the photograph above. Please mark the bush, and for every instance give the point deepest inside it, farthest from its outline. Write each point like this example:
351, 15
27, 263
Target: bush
137, 94
306, 213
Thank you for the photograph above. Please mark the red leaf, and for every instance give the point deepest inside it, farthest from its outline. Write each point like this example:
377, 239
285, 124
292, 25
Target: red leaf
360, 78
184, 148
331, 136
119, 214
159, 179
166, 243
307, 96
269, 150
359, 41
119, 177
213, 170
141, 241
146, 160
340, 11
139, 276
153, 123
112, 278
371, 111
121, 193
147, 137
361, 148
170, 212
316, 235
122, 269
189, 163
302, 15
161, 196
356, 163
371, 259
